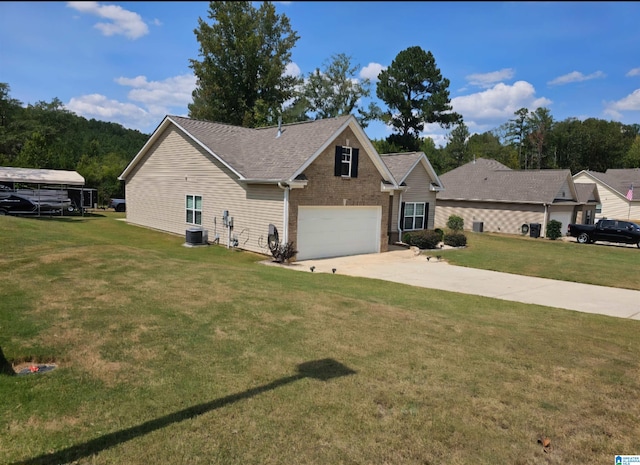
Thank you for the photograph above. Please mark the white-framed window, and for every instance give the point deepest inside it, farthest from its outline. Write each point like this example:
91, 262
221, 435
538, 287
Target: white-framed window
193, 207
414, 216
346, 162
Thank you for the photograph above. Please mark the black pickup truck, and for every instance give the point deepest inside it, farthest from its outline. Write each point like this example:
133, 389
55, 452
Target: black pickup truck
624, 232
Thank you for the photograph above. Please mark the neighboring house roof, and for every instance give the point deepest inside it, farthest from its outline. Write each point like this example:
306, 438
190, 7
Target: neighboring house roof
490, 181
402, 164
40, 176
587, 192
261, 154
617, 180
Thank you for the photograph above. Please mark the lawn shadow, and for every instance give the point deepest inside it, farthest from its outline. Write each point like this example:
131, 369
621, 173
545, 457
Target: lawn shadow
322, 370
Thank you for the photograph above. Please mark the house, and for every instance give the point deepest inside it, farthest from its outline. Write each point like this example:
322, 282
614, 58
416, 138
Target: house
491, 197
619, 191
319, 184
413, 208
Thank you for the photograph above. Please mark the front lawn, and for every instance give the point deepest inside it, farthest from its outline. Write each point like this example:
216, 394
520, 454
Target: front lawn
174, 355
603, 264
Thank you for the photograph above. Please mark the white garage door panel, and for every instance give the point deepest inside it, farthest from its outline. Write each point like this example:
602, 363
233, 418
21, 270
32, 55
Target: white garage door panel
336, 231
562, 217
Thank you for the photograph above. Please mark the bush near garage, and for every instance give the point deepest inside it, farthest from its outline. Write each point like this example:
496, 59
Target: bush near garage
424, 239
554, 230
455, 239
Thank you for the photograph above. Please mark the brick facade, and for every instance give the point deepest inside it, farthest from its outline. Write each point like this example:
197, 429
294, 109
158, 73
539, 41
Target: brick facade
325, 189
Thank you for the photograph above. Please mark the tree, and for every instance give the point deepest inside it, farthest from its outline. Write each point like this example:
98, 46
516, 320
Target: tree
416, 93
335, 91
540, 124
487, 145
241, 78
516, 133
632, 158
458, 146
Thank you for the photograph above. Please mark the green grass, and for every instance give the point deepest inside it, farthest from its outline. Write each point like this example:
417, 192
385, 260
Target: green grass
175, 355
599, 263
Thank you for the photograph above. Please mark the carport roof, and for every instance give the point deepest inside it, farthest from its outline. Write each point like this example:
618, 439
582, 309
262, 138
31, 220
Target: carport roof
40, 176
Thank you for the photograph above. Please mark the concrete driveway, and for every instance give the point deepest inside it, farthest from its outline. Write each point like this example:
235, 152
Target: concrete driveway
404, 266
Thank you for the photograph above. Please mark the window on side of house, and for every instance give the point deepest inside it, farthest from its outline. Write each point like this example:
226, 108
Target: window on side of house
414, 216
194, 209
346, 162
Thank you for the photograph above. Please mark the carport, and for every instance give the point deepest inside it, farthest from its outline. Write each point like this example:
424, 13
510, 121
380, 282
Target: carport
42, 180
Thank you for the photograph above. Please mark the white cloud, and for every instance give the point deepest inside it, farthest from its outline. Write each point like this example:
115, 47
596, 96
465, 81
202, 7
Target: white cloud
148, 102
498, 104
371, 71
575, 76
292, 69
100, 107
486, 80
121, 21
629, 103
172, 92
633, 72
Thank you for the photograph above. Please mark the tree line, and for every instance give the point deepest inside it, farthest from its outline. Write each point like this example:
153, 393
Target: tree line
45, 135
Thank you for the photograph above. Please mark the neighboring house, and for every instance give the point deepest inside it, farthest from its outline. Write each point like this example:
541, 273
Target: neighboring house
491, 197
614, 186
319, 184
413, 208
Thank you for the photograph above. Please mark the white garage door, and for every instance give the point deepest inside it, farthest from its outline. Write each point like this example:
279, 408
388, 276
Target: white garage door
563, 217
337, 231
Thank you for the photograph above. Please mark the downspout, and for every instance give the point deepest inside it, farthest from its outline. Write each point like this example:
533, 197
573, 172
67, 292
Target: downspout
400, 219
285, 213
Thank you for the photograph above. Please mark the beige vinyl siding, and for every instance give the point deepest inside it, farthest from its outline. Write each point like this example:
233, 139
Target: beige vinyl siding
496, 217
565, 192
614, 205
175, 167
418, 182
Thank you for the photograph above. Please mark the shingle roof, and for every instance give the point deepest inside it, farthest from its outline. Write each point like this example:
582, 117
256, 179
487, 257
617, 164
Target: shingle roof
488, 180
622, 179
400, 163
586, 192
258, 153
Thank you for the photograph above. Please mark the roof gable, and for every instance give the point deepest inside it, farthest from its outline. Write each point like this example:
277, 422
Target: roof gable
617, 181
402, 165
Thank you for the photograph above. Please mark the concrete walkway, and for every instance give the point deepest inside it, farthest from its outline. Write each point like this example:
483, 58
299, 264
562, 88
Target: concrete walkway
404, 266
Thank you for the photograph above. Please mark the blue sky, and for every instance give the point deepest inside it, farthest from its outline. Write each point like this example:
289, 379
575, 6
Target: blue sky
128, 62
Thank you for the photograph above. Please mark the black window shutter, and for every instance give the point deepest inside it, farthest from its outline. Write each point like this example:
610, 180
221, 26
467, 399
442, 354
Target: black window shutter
426, 215
337, 167
401, 225
354, 162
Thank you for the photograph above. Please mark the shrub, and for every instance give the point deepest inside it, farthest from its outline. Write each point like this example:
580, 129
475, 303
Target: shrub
281, 252
425, 239
455, 239
440, 232
554, 229
455, 223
